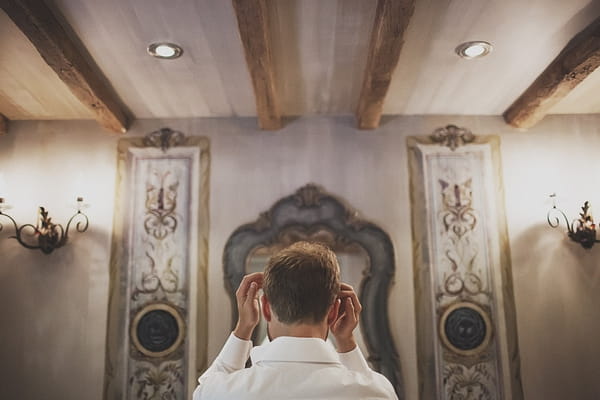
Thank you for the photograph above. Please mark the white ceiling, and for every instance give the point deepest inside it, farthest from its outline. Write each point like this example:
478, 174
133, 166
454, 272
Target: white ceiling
319, 48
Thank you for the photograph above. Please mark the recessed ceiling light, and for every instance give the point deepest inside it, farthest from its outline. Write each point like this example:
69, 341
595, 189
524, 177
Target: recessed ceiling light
165, 50
470, 50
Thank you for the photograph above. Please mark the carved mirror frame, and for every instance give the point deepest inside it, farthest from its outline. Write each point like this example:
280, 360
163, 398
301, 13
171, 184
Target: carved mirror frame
303, 214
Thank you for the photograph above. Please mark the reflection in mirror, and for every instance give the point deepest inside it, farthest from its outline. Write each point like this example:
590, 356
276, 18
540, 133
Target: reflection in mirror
353, 261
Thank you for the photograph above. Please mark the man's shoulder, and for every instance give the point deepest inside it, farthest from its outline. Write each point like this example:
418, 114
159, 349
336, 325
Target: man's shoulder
294, 381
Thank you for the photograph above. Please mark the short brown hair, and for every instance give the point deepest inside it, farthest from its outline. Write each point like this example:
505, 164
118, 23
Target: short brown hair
301, 282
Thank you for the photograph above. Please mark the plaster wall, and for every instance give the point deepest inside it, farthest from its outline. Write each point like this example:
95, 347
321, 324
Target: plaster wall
53, 308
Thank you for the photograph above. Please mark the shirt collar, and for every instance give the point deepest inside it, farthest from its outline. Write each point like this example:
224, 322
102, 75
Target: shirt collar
295, 349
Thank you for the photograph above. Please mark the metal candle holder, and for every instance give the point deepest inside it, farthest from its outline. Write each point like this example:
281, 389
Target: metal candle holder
45, 234
581, 230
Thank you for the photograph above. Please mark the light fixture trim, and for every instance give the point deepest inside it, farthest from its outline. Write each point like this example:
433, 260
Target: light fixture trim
473, 49
165, 50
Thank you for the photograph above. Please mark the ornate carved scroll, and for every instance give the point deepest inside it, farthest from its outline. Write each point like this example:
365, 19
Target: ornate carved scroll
156, 338
466, 322
307, 214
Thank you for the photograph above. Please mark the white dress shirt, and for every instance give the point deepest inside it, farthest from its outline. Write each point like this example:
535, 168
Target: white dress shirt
290, 368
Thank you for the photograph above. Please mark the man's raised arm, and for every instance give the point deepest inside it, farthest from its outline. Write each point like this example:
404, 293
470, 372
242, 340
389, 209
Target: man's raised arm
236, 350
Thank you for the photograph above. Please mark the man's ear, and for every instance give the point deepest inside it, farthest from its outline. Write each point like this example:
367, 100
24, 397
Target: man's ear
334, 310
266, 308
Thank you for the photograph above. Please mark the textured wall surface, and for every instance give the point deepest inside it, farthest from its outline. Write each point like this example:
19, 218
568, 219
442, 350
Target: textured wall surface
54, 307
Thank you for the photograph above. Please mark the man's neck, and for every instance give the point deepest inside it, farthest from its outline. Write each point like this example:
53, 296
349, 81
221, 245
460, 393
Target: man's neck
277, 329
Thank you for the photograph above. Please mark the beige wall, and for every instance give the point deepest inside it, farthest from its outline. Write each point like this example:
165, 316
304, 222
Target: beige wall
53, 308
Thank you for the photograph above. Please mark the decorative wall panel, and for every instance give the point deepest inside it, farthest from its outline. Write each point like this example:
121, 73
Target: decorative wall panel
156, 341
466, 322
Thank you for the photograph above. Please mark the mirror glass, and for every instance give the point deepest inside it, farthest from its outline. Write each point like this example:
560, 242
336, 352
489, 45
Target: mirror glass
353, 261
363, 249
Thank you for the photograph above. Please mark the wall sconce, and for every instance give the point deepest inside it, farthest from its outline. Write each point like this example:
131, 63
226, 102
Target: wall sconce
581, 230
46, 235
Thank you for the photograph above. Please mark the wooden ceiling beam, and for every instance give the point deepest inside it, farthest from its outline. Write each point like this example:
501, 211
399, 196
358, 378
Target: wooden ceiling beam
3, 125
387, 37
62, 52
253, 24
579, 58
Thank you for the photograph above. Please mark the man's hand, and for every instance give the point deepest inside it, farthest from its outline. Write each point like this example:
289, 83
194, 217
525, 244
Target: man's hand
347, 319
248, 305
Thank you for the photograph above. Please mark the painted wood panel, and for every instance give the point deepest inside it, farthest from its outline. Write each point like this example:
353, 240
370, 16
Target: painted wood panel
210, 79
29, 89
320, 49
432, 79
320, 53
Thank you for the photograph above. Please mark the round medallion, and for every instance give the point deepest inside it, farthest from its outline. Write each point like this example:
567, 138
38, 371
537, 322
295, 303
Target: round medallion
157, 330
465, 328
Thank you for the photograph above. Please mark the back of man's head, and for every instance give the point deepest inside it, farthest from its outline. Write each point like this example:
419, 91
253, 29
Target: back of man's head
301, 282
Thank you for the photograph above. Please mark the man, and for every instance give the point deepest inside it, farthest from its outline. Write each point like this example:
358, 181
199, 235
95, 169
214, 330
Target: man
303, 300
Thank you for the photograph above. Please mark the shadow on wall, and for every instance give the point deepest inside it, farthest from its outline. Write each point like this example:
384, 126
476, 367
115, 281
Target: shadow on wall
62, 277
554, 277
55, 328
557, 292
542, 249
7, 142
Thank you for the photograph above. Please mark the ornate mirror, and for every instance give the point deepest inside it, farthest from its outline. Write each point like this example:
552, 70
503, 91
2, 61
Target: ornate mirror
365, 253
